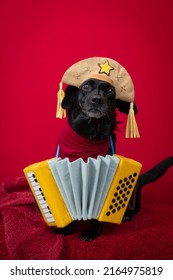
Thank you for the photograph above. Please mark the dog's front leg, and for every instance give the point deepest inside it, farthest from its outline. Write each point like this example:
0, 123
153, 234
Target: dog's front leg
63, 231
93, 232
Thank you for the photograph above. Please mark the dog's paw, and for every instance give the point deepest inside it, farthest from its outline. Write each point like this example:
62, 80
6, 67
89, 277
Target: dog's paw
89, 235
126, 218
63, 231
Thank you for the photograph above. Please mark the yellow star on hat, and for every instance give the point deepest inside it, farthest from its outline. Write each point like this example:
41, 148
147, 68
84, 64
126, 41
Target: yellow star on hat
105, 68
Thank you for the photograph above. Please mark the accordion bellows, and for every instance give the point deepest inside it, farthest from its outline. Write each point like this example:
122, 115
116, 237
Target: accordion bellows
97, 189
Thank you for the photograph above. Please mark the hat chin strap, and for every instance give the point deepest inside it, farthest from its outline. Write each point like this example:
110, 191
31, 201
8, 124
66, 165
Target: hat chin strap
131, 127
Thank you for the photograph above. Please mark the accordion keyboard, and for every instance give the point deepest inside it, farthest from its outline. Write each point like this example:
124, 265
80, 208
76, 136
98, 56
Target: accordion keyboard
36, 188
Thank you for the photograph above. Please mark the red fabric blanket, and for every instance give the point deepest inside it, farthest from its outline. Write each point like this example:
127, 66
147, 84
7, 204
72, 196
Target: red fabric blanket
24, 234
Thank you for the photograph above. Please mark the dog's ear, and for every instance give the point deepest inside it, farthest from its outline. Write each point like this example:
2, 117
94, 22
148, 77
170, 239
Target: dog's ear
69, 98
124, 106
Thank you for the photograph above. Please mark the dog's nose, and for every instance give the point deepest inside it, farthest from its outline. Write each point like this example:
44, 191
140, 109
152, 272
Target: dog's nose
97, 100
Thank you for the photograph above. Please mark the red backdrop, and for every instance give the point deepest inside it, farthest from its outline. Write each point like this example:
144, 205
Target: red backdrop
41, 39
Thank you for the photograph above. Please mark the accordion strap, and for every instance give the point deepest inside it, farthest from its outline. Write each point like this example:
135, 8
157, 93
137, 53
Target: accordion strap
112, 146
57, 151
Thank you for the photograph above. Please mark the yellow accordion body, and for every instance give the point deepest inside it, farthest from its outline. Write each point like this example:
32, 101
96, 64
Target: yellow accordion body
55, 210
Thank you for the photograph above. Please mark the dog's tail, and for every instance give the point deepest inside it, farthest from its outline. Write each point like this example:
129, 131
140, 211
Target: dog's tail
148, 177
155, 173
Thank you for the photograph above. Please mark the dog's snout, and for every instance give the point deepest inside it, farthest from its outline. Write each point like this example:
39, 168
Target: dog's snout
97, 100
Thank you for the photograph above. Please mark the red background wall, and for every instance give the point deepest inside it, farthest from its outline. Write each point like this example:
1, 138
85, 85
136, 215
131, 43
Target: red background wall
41, 39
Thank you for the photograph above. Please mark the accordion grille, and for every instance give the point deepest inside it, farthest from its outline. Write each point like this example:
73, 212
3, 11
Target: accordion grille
120, 191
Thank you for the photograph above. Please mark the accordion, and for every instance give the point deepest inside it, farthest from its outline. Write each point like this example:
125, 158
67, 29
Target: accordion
97, 189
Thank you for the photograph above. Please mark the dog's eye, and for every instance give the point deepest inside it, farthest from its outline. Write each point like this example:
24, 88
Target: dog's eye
85, 87
111, 91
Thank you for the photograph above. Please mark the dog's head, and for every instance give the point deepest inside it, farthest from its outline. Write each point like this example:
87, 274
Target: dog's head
91, 108
94, 99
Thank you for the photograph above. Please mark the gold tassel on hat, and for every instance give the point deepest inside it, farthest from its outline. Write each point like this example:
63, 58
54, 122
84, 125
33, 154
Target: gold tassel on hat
60, 112
131, 127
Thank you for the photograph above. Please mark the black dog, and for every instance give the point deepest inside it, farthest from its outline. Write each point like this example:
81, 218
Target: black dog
91, 114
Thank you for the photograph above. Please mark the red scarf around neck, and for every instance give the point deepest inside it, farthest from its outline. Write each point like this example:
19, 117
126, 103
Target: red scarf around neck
74, 146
